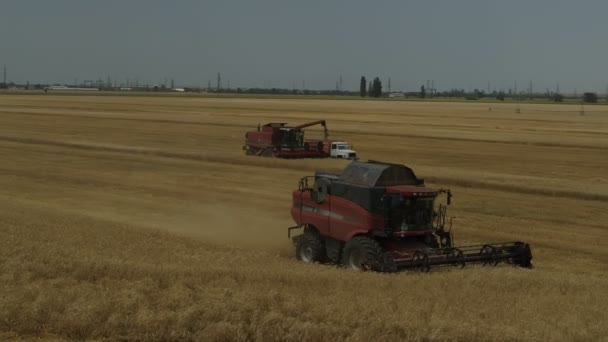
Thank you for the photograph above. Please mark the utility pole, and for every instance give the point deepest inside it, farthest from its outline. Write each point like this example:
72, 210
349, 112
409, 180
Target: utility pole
389, 85
517, 110
4, 79
219, 81
557, 87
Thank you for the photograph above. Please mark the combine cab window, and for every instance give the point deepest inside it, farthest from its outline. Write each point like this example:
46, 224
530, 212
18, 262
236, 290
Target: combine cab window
292, 138
418, 214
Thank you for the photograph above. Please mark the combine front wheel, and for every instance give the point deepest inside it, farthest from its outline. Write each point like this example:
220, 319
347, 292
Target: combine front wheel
362, 254
310, 248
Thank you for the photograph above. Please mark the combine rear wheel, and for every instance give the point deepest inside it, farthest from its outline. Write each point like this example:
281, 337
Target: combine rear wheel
310, 248
362, 254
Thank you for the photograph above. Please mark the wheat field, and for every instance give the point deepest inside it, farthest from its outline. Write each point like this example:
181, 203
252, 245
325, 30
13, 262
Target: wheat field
140, 218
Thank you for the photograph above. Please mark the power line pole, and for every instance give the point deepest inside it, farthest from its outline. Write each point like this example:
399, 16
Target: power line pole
517, 110
219, 81
389, 84
4, 79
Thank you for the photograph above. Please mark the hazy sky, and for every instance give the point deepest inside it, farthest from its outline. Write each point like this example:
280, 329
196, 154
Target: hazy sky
457, 43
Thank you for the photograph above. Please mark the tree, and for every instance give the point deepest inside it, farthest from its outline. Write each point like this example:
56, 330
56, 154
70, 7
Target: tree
590, 97
377, 87
558, 97
422, 92
479, 93
362, 87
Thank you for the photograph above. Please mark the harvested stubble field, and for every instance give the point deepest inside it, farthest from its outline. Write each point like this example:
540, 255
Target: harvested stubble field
140, 218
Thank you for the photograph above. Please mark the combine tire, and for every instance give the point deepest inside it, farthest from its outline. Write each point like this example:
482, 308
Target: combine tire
362, 254
310, 248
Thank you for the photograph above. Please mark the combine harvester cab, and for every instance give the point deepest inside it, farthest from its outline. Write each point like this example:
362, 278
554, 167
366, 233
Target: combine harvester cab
276, 139
380, 216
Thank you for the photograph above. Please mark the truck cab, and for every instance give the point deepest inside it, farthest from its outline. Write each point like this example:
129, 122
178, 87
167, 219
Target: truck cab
342, 150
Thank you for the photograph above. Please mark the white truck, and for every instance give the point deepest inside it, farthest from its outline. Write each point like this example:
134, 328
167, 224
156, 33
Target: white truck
342, 150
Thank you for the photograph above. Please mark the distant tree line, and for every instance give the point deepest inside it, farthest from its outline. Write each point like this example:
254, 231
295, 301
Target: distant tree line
374, 89
367, 88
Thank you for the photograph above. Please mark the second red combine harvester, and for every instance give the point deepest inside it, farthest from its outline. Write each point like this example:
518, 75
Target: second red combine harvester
276, 139
380, 216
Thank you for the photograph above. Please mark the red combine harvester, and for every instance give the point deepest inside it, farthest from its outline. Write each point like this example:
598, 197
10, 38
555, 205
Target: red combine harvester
278, 140
380, 216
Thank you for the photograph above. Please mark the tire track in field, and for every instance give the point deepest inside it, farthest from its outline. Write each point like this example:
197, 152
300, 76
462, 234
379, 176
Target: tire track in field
148, 152
164, 121
489, 141
517, 188
264, 110
343, 131
434, 125
406, 115
283, 164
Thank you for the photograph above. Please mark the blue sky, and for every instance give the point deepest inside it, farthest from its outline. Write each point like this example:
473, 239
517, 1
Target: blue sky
458, 44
